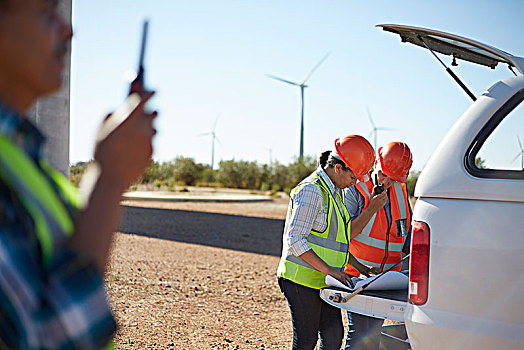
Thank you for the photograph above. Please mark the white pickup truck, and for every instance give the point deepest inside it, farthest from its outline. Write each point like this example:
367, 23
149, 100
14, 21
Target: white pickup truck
466, 280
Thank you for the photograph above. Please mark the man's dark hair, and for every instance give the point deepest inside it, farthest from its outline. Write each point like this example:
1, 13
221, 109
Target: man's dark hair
327, 159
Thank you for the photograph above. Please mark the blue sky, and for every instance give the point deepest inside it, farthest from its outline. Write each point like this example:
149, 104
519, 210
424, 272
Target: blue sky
206, 58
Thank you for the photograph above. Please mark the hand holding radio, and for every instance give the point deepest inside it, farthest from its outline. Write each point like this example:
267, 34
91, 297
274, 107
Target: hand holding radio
377, 189
378, 196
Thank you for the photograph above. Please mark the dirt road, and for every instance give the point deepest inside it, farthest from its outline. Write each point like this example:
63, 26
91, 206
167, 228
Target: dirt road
187, 275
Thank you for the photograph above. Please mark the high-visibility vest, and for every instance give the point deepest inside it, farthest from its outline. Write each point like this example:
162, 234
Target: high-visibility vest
51, 219
380, 243
331, 245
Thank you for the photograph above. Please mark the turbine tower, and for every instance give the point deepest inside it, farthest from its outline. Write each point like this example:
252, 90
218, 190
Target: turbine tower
375, 130
213, 138
520, 154
302, 85
270, 150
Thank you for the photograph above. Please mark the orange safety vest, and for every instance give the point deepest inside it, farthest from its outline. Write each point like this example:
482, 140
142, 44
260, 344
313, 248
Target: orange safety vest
380, 244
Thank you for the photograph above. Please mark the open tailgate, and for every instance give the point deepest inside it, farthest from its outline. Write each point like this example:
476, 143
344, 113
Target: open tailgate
386, 304
457, 46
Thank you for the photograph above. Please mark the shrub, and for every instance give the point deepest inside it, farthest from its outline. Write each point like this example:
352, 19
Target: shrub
76, 171
208, 175
480, 163
187, 171
279, 176
231, 173
238, 174
274, 194
300, 169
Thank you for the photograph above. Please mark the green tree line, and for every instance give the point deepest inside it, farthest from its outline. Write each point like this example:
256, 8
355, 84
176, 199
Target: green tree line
184, 171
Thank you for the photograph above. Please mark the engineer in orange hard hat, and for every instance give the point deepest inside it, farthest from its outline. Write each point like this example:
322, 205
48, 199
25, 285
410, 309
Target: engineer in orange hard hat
380, 228
315, 242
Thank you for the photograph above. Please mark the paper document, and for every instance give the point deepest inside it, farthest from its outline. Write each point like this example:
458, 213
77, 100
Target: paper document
389, 280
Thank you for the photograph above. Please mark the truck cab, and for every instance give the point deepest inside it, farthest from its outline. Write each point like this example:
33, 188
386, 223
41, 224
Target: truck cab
466, 283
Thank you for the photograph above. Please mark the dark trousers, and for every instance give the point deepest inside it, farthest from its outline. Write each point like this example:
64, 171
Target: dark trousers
312, 317
363, 332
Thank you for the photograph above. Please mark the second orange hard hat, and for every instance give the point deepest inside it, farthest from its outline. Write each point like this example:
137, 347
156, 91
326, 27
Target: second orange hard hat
357, 153
395, 160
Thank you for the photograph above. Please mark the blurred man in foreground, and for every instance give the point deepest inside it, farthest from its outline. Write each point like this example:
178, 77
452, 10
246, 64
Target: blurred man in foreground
53, 249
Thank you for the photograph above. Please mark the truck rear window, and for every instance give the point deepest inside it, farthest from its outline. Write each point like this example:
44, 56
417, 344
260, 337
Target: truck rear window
498, 149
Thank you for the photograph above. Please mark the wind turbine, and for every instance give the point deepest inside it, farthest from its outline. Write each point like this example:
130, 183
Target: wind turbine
270, 150
213, 138
375, 130
302, 85
520, 154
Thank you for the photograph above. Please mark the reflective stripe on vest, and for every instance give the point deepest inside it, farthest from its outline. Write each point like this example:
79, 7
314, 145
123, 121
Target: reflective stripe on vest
299, 261
331, 248
37, 195
402, 207
328, 242
321, 242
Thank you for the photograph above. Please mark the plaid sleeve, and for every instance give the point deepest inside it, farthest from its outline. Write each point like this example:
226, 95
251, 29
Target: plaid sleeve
354, 202
62, 308
307, 204
77, 305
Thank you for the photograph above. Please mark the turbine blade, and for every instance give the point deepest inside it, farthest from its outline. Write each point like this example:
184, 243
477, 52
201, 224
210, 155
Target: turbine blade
204, 134
315, 68
216, 121
370, 118
384, 128
516, 157
283, 80
520, 143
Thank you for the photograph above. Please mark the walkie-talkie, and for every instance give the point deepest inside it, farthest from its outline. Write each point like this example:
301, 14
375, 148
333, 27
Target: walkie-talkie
378, 188
132, 100
137, 85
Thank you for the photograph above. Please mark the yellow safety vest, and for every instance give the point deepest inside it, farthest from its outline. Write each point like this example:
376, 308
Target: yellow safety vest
37, 195
331, 245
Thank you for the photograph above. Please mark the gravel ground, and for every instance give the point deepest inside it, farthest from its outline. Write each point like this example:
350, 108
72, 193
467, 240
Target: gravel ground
189, 275
199, 275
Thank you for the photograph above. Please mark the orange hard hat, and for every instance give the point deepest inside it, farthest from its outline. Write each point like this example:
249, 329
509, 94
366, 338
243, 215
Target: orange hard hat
357, 153
395, 160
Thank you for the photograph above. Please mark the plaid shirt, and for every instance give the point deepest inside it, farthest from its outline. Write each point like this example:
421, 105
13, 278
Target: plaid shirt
309, 213
61, 307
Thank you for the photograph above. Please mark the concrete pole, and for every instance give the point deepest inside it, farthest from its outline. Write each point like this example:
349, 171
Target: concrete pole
51, 113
